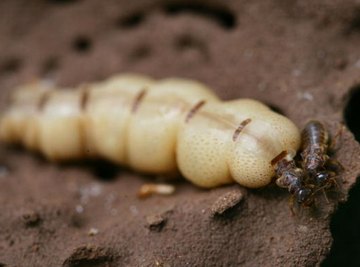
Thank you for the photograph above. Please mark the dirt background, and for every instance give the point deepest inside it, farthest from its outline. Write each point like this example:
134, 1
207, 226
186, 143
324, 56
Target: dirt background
300, 57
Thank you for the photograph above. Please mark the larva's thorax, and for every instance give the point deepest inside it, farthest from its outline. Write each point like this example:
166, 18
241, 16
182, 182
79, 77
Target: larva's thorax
155, 127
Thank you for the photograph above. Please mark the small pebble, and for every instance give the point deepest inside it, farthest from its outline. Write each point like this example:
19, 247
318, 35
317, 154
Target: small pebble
79, 209
147, 190
93, 231
226, 201
303, 228
155, 222
305, 96
31, 218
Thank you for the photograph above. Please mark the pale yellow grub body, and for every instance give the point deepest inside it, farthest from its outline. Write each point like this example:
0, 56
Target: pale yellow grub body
153, 127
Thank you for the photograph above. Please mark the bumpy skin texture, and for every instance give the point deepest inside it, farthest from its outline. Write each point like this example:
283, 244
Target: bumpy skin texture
154, 127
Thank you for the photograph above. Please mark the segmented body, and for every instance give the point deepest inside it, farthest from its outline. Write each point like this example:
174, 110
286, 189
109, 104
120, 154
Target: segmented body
314, 146
315, 139
153, 126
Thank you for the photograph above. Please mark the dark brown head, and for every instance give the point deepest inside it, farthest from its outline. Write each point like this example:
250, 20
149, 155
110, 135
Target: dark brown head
304, 196
321, 178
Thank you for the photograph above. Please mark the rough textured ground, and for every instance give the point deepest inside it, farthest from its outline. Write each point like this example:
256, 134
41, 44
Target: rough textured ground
300, 57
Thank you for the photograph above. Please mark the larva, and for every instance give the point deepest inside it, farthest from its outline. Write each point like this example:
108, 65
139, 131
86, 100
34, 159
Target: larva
154, 127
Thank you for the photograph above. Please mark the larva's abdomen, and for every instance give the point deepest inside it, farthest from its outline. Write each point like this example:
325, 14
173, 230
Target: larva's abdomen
152, 133
209, 156
154, 127
108, 113
17, 125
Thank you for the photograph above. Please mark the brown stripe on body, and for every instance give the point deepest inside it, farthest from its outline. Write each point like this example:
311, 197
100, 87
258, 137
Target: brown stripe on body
279, 157
43, 100
84, 98
194, 109
138, 99
240, 128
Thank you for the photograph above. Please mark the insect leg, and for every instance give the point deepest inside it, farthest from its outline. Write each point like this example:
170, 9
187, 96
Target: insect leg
334, 166
333, 146
325, 196
292, 204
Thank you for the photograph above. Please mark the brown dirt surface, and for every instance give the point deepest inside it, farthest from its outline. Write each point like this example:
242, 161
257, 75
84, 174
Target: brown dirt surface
300, 57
